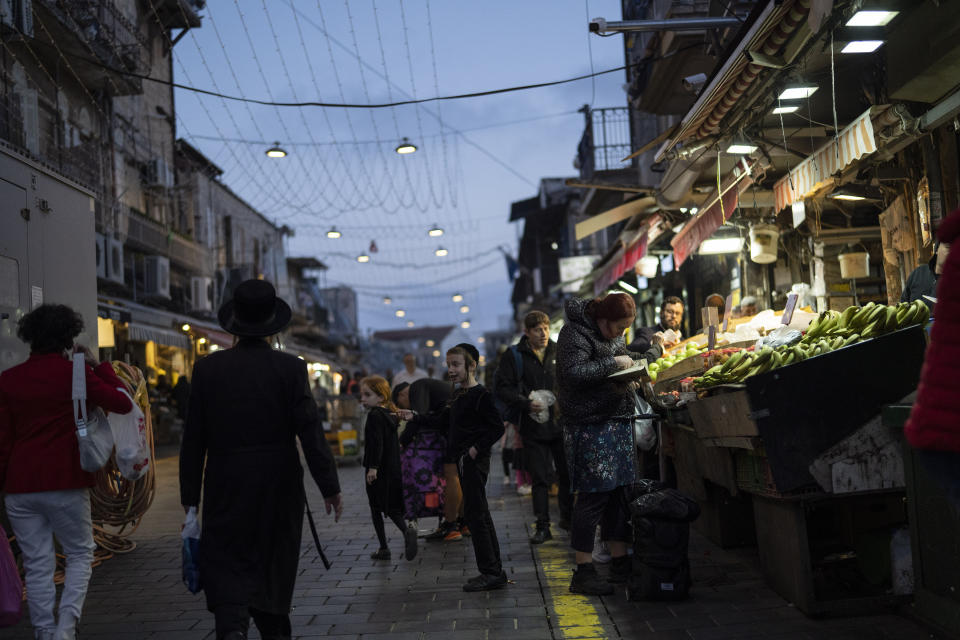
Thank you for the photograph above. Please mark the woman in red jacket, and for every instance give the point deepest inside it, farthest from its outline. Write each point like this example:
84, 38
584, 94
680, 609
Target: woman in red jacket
934, 424
47, 493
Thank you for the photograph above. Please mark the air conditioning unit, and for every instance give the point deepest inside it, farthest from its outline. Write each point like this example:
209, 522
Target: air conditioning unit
101, 255
18, 15
115, 260
201, 294
158, 172
156, 276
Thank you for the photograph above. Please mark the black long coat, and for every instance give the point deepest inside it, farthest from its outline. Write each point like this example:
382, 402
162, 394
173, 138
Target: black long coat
381, 451
248, 405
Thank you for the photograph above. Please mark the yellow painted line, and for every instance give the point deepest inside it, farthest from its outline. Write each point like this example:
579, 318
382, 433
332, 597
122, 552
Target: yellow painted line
575, 616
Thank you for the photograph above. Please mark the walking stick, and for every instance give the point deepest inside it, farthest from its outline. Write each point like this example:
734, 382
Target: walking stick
316, 539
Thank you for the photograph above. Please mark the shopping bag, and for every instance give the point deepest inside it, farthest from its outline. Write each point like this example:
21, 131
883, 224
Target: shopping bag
191, 552
11, 589
644, 433
130, 437
93, 432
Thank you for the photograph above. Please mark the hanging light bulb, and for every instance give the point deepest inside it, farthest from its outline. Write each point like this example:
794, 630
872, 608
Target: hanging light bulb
440, 252
457, 297
333, 233
430, 343
465, 324
363, 258
464, 309
410, 323
481, 340
405, 147
399, 313
387, 300
435, 231
276, 152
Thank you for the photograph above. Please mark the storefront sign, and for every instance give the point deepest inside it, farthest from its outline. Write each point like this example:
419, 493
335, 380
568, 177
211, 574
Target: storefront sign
574, 269
813, 173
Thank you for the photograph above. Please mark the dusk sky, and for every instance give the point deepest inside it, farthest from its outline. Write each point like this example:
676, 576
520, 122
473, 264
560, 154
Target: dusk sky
475, 155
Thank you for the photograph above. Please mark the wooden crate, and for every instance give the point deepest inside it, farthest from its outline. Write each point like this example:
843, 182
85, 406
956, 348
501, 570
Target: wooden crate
724, 421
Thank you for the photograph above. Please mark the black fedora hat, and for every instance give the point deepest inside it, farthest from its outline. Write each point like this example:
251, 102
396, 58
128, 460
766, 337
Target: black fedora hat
255, 311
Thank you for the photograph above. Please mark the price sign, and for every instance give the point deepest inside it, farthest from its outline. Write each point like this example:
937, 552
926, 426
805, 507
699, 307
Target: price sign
710, 322
790, 308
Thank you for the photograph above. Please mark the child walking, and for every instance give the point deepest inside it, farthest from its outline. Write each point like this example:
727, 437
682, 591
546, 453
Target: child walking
381, 459
475, 426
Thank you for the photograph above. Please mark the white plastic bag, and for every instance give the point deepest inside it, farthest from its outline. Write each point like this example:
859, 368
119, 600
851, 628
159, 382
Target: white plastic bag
94, 437
547, 399
190, 552
130, 437
644, 433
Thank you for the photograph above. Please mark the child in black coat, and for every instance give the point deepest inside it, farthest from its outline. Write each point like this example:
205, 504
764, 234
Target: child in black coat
381, 459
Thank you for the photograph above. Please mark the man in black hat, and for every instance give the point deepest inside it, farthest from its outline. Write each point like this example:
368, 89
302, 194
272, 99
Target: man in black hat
248, 406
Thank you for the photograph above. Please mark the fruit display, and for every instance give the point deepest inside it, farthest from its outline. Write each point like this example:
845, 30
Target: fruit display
831, 330
666, 361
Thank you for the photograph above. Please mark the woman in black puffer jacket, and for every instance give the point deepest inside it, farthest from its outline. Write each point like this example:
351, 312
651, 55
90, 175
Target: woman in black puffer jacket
597, 420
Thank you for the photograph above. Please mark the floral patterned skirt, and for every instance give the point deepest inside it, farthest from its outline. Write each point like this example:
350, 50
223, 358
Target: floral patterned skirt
421, 466
600, 456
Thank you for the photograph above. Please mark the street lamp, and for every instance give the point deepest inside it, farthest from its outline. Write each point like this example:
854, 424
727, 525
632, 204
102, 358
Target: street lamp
405, 147
276, 152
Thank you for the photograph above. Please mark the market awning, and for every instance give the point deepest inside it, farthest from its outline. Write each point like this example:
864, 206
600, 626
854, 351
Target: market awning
718, 207
855, 141
613, 216
623, 261
149, 333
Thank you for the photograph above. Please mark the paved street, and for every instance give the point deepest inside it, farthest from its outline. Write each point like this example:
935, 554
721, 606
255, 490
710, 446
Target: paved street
139, 595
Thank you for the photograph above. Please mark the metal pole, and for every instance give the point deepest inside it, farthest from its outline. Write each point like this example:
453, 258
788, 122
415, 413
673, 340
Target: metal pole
599, 25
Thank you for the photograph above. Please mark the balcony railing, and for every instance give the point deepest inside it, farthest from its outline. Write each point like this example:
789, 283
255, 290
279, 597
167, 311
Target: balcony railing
605, 141
151, 236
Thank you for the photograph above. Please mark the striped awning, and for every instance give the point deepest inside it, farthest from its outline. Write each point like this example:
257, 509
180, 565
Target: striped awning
149, 333
815, 171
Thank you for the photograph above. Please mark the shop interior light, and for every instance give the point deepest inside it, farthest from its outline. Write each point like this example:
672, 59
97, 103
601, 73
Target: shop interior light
846, 196
202, 341
185, 327
716, 246
333, 233
554, 246
429, 343
276, 152
457, 297
214, 347
789, 108
399, 313
440, 252
363, 258
465, 309
871, 18
465, 324
629, 288
693, 211
406, 147
739, 147
798, 92
435, 232
862, 46
387, 300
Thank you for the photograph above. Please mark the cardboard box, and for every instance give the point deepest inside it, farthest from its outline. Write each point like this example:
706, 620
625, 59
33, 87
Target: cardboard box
724, 421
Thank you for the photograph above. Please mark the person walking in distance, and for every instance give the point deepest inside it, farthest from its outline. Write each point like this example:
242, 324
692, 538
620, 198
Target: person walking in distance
410, 372
597, 417
531, 366
47, 492
248, 407
381, 459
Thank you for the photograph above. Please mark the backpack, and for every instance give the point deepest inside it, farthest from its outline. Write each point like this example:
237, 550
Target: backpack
509, 414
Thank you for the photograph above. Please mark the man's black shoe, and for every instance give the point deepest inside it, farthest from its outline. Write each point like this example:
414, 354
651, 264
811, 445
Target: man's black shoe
587, 581
486, 582
541, 535
620, 569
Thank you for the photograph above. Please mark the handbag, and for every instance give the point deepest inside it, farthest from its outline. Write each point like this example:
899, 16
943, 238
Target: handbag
94, 437
11, 589
130, 436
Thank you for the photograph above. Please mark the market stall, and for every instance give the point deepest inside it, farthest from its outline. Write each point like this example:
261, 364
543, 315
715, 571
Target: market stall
790, 423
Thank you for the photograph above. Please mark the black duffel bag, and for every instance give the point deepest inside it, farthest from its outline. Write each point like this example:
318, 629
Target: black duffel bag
661, 520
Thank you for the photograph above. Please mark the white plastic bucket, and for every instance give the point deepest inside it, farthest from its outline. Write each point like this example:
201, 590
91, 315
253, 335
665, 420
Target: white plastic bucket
647, 266
763, 243
854, 265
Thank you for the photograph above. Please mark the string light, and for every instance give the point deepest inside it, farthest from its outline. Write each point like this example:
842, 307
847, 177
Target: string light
406, 147
333, 233
387, 300
430, 343
440, 252
276, 152
457, 297
363, 258
464, 309
465, 324
435, 231
400, 313
410, 323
